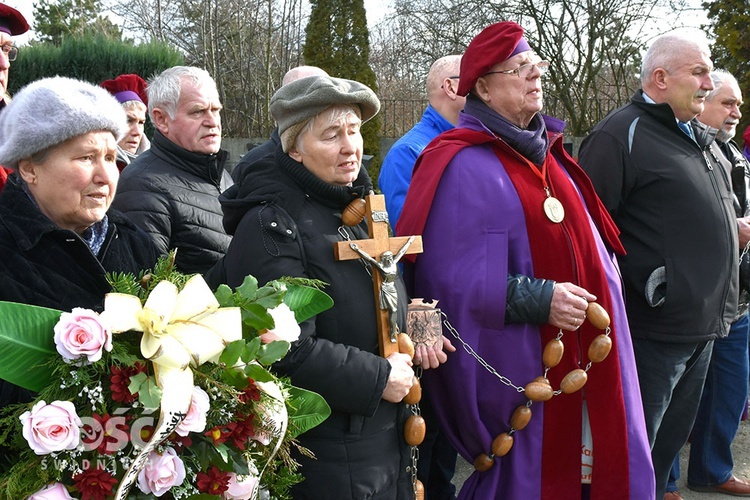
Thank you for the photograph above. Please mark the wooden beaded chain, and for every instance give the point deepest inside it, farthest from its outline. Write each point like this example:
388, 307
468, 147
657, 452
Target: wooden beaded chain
540, 389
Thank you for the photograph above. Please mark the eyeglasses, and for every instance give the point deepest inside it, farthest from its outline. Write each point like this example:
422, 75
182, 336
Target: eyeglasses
10, 51
523, 70
451, 78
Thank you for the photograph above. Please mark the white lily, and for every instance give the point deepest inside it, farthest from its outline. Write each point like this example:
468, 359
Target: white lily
180, 329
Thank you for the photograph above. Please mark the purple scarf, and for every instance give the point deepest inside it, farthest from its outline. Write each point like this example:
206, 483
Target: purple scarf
532, 143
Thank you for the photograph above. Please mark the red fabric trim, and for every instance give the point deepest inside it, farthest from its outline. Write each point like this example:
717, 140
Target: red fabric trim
4, 173
433, 161
566, 252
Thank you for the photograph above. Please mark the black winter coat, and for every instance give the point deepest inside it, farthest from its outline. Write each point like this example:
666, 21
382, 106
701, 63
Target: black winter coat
671, 198
47, 266
285, 222
173, 195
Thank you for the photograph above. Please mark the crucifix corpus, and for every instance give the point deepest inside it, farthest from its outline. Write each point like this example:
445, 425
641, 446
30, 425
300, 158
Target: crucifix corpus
383, 253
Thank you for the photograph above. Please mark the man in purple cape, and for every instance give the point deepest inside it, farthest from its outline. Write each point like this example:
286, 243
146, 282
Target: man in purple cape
516, 247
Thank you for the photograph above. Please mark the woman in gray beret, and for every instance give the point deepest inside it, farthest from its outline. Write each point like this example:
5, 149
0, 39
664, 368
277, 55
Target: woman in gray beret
285, 215
58, 237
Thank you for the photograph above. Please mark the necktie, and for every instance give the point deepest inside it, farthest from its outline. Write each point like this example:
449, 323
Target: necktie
685, 128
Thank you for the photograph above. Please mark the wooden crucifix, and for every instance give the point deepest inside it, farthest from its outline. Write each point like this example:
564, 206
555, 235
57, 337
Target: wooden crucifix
383, 253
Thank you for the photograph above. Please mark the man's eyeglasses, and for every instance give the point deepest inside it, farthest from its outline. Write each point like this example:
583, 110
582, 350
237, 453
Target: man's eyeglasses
10, 51
451, 78
523, 70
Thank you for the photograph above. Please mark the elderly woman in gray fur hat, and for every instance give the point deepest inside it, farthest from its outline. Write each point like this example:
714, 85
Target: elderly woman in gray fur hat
58, 237
285, 215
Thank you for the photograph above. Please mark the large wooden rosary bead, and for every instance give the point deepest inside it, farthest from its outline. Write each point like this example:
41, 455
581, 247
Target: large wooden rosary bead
414, 430
599, 348
539, 391
553, 353
415, 393
354, 213
597, 315
502, 444
520, 418
405, 345
573, 381
483, 462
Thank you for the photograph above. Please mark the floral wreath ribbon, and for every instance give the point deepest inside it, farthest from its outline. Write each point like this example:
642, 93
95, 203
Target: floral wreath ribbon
180, 329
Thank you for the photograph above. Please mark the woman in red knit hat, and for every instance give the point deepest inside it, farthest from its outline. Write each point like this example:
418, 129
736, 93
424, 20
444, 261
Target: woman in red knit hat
130, 91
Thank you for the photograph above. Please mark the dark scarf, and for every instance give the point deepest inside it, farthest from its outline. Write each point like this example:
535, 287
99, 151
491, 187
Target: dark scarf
331, 195
532, 143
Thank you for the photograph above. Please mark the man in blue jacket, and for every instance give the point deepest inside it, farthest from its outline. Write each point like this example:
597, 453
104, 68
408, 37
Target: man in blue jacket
441, 115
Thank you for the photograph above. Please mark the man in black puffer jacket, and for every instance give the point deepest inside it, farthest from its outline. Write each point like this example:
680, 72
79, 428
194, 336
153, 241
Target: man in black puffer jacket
172, 190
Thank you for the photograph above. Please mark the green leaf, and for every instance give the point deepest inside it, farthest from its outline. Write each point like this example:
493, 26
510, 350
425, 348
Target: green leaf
224, 296
150, 395
232, 352
257, 316
136, 381
258, 373
248, 288
234, 377
306, 410
26, 343
306, 301
251, 350
271, 353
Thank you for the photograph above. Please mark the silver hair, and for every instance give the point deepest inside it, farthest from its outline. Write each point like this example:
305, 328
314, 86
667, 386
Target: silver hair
332, 115
164, 89
667, 51
719, 77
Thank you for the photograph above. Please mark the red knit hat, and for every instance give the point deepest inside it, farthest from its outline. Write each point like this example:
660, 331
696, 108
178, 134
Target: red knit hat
12, 21
496, 43
126, 88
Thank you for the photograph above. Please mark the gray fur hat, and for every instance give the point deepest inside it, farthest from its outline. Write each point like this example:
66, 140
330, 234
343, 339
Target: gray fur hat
297, 102
50, 111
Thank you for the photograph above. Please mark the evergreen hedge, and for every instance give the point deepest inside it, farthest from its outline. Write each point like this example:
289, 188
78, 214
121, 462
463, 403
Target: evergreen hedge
93, 58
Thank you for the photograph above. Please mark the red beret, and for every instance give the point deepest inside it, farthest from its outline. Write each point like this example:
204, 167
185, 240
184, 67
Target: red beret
12, 21
495, 44
128, 87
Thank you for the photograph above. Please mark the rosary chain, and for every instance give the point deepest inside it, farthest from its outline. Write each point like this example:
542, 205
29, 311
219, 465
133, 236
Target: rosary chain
505, 380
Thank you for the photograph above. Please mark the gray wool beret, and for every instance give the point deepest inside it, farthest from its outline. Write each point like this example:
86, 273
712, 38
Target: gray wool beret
296, 102
50, 111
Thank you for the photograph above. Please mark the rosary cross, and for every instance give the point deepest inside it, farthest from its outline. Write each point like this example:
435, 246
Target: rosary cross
383, 253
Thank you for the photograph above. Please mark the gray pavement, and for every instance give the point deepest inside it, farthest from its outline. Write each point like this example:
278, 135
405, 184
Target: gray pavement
740, 449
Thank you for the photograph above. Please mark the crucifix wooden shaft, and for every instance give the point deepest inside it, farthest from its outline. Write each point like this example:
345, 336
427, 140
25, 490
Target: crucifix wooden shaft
383, 251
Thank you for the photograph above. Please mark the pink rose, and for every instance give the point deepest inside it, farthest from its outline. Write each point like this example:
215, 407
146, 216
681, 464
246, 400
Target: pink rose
195, 421
54, 491
81, 333
161, 473
52, 427
240, 487
285, 325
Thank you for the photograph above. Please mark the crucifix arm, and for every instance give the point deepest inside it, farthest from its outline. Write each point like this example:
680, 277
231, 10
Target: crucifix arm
403, 249
364, 255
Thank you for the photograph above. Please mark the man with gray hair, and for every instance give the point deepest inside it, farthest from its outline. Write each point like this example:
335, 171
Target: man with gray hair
725, 391
441, 115
666, 185
172, 190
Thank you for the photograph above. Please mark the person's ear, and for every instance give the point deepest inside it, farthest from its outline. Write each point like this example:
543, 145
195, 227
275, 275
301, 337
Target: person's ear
161, 120
450, 89
660, 78
482, 89
27, 171
295, 155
